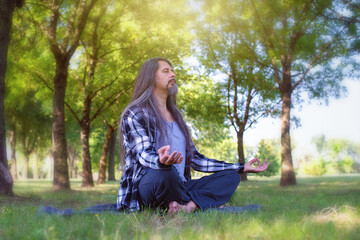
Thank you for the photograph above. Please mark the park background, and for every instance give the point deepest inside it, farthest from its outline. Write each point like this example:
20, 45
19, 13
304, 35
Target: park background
241, 66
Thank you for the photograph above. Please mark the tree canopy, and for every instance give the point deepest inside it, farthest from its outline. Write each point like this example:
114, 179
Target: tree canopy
302, 46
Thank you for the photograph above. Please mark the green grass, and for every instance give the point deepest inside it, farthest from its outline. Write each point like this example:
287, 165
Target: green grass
316, 208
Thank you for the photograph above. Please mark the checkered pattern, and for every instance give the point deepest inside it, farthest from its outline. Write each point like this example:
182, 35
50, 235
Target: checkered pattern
139, 142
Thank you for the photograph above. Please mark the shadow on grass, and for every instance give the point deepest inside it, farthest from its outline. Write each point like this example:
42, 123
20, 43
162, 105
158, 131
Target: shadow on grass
39, 193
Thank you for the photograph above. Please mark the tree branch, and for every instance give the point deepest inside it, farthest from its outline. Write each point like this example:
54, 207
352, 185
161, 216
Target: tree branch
228, 104
234, 77
70, 25
102, 106
43, 79
247, 108
81, 25
316, 57
51, 29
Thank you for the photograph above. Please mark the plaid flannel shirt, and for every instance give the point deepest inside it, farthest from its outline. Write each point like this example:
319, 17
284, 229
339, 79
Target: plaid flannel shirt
139, 143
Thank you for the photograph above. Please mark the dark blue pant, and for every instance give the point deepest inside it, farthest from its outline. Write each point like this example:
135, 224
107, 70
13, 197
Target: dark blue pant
158, 188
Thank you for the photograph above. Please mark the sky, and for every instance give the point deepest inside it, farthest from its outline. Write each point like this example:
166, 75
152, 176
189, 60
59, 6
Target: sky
339, 119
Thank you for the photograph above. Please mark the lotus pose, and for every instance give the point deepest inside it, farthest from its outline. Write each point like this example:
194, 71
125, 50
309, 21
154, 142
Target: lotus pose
158, 152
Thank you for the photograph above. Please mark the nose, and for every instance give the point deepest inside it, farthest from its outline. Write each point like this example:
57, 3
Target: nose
173, 74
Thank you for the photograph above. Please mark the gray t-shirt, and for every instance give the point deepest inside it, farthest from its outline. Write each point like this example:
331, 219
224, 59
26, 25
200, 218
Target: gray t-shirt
177, 143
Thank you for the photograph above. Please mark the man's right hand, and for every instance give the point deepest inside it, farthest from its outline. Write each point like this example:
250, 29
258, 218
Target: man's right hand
167, 159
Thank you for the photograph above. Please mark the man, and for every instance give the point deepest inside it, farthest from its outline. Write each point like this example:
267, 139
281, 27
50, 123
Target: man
158, 151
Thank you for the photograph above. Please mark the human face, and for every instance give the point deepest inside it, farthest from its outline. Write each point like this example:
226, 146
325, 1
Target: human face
165, 78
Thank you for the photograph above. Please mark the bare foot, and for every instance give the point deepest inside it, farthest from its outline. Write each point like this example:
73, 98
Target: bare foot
175, 207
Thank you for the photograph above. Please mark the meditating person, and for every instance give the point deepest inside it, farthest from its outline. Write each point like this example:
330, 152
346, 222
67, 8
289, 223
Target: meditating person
158, 152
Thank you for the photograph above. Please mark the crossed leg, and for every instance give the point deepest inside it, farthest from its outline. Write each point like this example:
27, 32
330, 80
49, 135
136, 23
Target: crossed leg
164, 189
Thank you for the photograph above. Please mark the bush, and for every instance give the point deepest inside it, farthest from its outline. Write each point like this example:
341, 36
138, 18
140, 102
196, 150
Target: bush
316, 168
344, 165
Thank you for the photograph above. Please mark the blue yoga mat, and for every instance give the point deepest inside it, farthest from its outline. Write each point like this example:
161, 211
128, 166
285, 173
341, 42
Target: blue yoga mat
111, 208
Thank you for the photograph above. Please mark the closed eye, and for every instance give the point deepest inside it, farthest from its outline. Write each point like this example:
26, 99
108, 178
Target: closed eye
166, 70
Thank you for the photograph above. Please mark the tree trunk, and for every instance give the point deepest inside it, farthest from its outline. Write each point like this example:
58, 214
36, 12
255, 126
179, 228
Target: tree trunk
36, 166
51, 167
75, 172
287, 169
240, 141
71, 169
71, 158
6, 11
63, 54
111, 165
6, 182
13, 166
26, 166
102, 163
87, 178
61, 172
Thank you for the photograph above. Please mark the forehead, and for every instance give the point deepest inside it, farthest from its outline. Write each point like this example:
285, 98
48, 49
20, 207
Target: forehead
163, 65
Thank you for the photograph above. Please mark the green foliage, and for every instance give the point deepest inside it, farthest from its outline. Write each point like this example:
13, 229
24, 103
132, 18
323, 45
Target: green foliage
246, 86
344, 165
216, 143
201, 100
320, 142
265, 151
262, 35
316, 167
204, 110
26, 113
294, 47
118, 37
96, 144
340, 154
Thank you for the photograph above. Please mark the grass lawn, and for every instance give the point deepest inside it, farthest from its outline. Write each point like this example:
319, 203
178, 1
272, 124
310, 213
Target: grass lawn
316, 208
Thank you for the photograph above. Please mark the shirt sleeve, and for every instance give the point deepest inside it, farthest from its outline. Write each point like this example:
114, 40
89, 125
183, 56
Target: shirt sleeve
137, 141
203, 164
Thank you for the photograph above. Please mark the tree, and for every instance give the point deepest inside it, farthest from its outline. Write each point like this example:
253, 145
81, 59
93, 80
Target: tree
98, 92
339, 155
320, 143
7, 8
63, 23
26, 105
111, 158
117, 38
73, 157
32, 127
300, 45
247, 89
107, 144
205, 112
107, 67
29, 125
342, 154
13, 165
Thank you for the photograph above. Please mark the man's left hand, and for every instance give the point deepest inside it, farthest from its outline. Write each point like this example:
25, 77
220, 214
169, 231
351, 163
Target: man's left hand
248, 168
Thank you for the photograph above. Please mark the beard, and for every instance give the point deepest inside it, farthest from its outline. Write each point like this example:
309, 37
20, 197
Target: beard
173, 90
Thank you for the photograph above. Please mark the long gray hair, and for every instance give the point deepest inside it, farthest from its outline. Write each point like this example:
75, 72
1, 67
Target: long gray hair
144, 98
